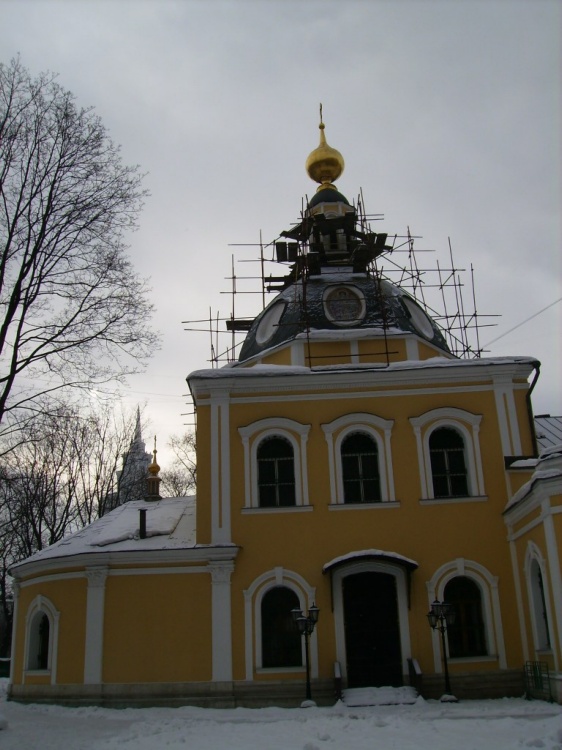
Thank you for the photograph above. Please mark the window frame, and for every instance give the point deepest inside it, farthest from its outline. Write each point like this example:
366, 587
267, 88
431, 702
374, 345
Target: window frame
361, 480
253, 596
542, 632
468, 426
491, 610
41, 606
252, 436
297, 637
448, 474
276, 462
466, 627
380, 431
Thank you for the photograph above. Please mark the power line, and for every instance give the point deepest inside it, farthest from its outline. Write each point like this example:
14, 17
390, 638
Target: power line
524, 321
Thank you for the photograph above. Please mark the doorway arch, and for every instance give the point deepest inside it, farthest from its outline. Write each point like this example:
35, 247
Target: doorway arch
371, 620
372, 629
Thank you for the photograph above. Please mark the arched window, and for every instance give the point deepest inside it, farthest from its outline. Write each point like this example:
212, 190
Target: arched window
449, 455
540, 615
281, 641
466, 635
276, 473
38, 655
360, 469
448, 463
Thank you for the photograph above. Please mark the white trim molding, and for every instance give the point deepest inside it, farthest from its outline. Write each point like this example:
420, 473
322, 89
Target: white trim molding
41, 606
254, 434
544, 634
380, 431
468, 426
252, 607
491, 610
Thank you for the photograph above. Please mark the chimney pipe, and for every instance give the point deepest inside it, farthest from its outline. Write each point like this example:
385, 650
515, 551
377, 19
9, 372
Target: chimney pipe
142, 522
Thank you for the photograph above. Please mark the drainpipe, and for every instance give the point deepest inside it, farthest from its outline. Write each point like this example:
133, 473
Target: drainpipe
537, 368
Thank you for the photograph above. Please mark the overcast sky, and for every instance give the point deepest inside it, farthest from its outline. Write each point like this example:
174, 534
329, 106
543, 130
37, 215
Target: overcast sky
447, 113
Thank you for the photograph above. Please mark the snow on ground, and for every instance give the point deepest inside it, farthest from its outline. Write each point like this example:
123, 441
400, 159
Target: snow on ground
507, 724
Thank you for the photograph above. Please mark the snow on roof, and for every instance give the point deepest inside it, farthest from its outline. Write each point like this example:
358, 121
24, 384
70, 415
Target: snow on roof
527, 488
261, 370
554, 452
170, 524
547, 455
370, 553
161, 520
524, 463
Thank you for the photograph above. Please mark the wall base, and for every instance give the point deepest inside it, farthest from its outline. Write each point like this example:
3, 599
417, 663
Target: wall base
286, 694
507, 683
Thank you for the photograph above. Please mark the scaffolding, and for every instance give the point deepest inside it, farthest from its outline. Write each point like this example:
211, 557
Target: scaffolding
440, 290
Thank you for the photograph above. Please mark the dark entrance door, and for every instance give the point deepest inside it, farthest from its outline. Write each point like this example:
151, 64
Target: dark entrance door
372, 631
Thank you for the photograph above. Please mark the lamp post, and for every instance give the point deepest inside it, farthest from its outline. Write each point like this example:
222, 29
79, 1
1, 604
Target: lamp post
440, 617
306, 625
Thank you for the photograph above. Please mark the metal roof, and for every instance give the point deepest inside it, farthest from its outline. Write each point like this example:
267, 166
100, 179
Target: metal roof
549, 431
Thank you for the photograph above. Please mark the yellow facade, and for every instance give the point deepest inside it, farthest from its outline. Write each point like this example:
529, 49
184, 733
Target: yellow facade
434, 532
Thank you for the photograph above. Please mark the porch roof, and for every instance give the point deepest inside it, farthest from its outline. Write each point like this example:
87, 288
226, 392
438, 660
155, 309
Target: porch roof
371, 554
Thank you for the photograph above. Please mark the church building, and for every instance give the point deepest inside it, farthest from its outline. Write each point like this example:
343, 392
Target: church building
350, 467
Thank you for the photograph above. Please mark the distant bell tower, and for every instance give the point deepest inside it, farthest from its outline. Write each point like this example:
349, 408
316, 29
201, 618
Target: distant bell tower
131, 479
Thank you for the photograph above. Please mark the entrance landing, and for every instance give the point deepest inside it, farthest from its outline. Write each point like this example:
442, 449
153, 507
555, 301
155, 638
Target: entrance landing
380, 696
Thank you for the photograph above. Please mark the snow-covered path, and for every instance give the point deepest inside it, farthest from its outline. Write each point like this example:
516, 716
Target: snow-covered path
506, 724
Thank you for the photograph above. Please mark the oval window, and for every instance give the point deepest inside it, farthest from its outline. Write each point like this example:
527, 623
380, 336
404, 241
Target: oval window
418, 317
344, 305
269, 324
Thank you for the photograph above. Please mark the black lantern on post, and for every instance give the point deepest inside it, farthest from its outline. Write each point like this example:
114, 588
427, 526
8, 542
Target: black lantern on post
440, 617
306, 625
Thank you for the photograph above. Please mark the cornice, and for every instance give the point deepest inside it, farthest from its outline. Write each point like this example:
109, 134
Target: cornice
291, 379
197, 554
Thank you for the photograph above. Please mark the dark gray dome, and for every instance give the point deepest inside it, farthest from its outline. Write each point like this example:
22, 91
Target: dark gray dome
327, 195
338, 301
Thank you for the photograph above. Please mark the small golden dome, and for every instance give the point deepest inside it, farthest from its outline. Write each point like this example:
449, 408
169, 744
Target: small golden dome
154, 469
325, 164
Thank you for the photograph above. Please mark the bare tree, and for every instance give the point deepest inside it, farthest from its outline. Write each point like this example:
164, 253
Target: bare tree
61, 476
36, 501
73, 313
101, 446
181, 478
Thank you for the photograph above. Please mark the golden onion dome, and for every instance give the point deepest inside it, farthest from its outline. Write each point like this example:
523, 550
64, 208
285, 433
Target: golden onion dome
325, 164
154, 469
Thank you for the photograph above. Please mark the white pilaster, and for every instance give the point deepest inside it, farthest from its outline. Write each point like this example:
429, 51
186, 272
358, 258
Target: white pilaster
95, 605
221, 625
220, 468
555, 576
518, 593
15, 594
499, 394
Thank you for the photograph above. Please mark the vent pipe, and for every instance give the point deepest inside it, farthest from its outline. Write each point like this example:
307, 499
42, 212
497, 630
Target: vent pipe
142, 523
